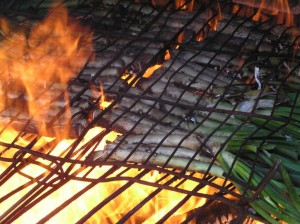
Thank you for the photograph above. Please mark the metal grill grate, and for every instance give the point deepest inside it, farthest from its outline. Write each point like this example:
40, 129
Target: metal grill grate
187, 106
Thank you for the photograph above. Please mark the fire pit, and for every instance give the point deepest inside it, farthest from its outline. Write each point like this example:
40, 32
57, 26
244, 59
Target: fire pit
149, 112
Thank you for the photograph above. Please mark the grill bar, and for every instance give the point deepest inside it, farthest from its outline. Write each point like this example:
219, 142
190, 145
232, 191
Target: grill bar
203, 84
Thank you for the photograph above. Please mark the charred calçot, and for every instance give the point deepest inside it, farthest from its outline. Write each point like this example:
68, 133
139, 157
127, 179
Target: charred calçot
240, 78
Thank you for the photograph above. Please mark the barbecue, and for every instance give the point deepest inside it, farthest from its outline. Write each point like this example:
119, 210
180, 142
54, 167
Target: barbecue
149, 111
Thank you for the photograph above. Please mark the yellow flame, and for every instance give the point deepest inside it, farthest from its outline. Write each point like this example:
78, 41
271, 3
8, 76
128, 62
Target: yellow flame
146, 74
279, 8
46, 55
103, 102
213, 23
183, 5
53, 51
285, 18
112, 211
167, 55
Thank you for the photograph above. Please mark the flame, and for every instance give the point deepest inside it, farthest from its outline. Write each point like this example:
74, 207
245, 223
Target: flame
167, 55
235, 9
150, 70
130, 77
151, 212
180, 39
212, 23
200, 36
277, 8
52, 51
31, 62
62, 194
184, 5
103, 103
285, 18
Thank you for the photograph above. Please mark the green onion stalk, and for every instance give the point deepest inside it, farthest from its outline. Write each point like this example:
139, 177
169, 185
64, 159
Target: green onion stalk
249, 159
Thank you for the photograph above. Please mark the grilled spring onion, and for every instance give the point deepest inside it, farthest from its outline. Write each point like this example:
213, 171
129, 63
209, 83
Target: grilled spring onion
254, 156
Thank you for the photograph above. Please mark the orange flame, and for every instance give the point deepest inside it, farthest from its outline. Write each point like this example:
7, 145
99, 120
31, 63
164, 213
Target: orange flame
235, 9
278, 8
112, 211
52, 52
103, 103
200, 36
167, 55
180, 39
285, 18
213, 23
146, 74
184, 5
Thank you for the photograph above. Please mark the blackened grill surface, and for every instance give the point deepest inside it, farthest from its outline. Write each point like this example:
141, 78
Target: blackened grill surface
178, 99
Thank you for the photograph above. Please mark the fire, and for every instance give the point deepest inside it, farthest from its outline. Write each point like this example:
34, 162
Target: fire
278, 8
235, 9
213, 21
38, 172
103, 103
167, 55
30, 63
131, 77
282, 17
150, 70
31, 60
184, 4
164, 200
180, 40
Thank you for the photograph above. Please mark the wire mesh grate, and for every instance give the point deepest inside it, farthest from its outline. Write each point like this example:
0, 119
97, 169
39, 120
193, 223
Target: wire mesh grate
183, 84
